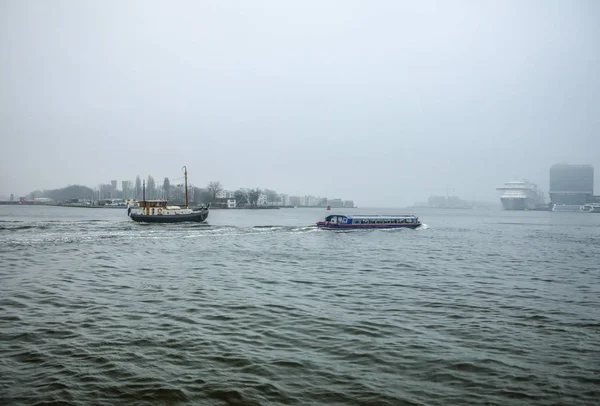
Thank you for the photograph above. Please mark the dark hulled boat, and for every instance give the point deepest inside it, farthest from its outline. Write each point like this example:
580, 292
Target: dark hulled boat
159, 211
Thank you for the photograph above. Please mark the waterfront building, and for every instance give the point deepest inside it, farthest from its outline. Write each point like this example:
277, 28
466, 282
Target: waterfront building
571, 184
225, 194
295, 201
284, 199
335, 203
127, 188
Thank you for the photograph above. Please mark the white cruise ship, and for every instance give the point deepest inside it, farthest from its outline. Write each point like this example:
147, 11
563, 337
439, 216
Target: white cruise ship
521, 195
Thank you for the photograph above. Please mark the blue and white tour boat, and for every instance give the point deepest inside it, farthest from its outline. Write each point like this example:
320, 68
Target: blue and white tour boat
344, 222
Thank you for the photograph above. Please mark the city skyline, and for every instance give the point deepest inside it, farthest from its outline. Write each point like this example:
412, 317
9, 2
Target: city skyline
449, 192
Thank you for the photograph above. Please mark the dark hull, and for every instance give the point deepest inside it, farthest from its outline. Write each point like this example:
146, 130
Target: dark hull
197, 216
515, 204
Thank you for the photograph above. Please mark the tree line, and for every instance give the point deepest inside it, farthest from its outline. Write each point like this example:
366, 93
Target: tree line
174, 193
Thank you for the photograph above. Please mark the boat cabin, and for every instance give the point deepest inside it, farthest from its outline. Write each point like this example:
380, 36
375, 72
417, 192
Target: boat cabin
153, 203
374, 220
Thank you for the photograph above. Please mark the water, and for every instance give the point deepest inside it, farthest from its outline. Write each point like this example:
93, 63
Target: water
482, 307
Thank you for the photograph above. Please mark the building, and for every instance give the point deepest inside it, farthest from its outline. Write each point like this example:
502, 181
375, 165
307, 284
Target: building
349, 204
225, 194
451, 202
456, 202
295, 200
105, 191
335, 203
113, 185
571, 184
127, 188
284, 200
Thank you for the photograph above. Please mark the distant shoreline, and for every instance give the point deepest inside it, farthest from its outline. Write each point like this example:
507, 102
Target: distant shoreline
17, 203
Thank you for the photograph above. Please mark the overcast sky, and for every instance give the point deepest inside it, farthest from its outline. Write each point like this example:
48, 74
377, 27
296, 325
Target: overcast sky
383, 102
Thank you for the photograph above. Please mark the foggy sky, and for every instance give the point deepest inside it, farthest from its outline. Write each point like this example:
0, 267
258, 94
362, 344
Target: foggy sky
383, 102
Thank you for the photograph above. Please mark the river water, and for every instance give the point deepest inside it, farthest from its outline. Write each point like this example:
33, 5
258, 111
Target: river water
481, 307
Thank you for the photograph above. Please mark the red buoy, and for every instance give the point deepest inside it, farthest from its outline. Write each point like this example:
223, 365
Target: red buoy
328, 207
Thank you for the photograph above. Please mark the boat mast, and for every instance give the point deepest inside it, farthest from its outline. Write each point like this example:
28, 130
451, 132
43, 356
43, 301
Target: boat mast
186, 187
144, 191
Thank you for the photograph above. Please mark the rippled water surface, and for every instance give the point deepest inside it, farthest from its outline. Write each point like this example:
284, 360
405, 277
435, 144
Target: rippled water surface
261, 308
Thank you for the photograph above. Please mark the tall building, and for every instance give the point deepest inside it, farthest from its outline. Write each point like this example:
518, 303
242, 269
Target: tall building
334, 203
127, 188
113, 185
571, 184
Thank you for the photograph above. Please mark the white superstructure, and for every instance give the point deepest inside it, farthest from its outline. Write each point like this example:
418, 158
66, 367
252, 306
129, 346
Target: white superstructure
520, 195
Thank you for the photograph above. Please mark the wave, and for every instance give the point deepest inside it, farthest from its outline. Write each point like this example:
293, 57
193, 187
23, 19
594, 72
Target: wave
24, 227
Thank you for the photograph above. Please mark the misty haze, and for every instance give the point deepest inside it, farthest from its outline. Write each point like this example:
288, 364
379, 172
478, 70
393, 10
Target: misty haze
384, 103
291, 203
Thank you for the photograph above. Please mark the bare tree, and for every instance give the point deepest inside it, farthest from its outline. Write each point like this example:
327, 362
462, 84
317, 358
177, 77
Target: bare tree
272, 196
241, 197
203, 196
214, 188
253, 195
